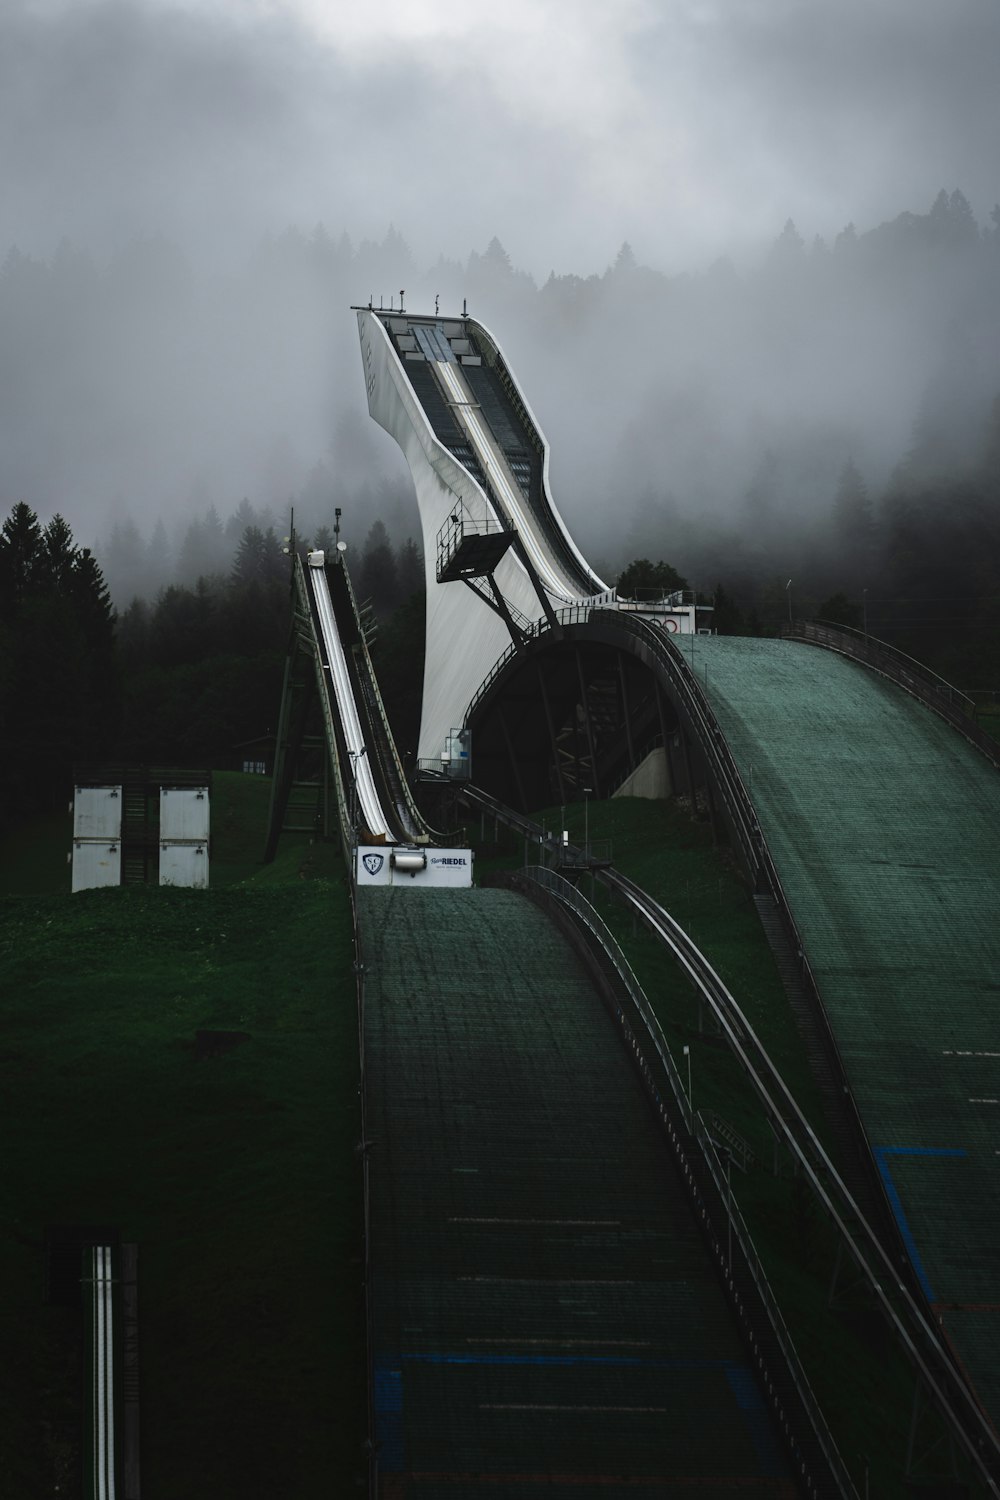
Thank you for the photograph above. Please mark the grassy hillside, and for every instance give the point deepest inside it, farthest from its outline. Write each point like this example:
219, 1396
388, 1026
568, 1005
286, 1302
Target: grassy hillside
236, 1173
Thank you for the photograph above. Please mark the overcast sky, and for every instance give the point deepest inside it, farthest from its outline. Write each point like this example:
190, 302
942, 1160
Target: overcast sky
688, 127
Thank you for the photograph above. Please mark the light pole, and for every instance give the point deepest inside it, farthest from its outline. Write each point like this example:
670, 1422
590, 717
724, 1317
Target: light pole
586, 821
864, 609
687, 1054
729, 1213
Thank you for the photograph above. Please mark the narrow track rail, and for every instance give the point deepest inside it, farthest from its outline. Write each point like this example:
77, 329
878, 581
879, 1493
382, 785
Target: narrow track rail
883, 1278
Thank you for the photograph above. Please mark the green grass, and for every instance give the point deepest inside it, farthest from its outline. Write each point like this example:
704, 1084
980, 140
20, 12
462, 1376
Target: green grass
673, 857
237, 1174
34, 857
988, 718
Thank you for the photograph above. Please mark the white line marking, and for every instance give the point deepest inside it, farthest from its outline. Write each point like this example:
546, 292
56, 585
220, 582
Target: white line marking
588, 1223
984, 1101
554, 1280
948, 1053
535, 1406
567, 1343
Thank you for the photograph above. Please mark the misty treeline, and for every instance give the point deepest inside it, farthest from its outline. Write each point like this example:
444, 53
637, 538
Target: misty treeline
58, 697
140, 564
816, 430
191, 676
727, 399
916, 564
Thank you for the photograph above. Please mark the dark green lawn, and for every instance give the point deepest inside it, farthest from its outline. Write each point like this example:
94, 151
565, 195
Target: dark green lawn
236, 1174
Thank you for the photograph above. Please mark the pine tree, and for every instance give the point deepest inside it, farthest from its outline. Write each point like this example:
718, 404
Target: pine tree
259, 558
624, 261
92, 601
125, 561
158, 558
377, 578
727, 618
59, 554
58, 684
21, 553
409, 569
788, 247
643, 579
853, 517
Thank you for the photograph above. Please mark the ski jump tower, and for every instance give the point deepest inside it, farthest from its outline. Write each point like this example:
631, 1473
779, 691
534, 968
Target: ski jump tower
500, 563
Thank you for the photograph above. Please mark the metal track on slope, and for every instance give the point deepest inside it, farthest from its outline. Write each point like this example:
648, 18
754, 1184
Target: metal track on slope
900, 1306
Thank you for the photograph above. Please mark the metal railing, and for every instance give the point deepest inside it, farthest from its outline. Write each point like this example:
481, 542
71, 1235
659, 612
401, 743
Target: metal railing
336, 749
933, 691
674, 599
419, 828
369, 1309
572, 614
456, 528
911, 1324
877, 653
700, 1132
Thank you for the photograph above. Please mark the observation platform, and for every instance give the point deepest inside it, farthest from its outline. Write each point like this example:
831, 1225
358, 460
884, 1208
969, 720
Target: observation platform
882, 822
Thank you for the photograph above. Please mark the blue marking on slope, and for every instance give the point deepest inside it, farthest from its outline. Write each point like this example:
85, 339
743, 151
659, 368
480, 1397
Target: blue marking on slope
758, 1420
880, 1153
445, 1358
388, 1394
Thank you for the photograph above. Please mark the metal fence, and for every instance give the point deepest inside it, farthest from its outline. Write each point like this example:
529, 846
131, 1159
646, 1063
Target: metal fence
700, 1131
957, 707
909, 1321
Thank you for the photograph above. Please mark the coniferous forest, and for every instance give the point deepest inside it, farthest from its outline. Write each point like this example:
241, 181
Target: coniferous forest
815, 431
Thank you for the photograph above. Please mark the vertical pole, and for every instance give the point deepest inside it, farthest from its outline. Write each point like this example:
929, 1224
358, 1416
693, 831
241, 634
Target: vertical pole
551, 728
626, 710
587, 724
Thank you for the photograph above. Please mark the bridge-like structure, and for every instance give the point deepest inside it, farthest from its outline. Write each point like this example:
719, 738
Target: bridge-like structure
511, 1169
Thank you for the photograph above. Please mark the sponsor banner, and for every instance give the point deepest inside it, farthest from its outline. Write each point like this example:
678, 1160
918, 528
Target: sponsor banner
444, 867
447, 867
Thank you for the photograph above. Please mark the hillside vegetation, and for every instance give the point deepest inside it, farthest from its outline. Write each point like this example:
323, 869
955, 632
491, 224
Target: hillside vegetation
234, 1170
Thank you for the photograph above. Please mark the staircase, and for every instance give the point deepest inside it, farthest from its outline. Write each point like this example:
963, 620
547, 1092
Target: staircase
135, 832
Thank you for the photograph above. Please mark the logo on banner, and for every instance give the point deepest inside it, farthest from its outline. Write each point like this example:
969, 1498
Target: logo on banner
373, 862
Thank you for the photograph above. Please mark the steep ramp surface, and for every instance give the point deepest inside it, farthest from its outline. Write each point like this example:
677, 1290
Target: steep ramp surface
545, 1310
883, 823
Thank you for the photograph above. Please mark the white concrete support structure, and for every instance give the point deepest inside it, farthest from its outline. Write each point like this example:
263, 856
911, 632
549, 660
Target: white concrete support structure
464, 636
